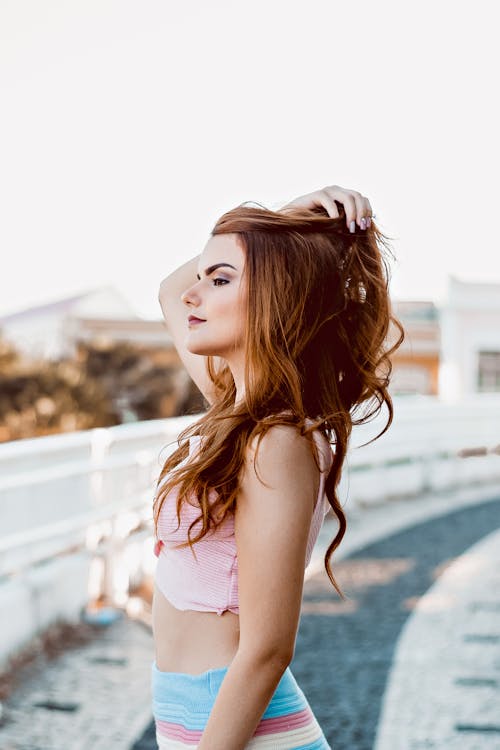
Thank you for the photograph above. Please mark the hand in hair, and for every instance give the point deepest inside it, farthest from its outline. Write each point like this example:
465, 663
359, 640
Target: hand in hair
357, 207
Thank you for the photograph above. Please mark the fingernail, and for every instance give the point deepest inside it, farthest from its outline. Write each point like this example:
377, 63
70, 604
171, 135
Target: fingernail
352, 227
368, 222
363, 223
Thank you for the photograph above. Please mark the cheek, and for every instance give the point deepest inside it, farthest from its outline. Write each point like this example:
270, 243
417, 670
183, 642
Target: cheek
242, 311
230, 307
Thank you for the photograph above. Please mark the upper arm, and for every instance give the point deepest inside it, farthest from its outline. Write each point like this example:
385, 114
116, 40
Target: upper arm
271, 529
175, 315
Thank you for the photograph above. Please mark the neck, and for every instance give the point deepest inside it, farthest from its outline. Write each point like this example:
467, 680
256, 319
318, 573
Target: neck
237, 367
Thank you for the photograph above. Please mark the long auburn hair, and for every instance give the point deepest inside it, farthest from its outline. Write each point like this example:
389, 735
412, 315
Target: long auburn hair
316, 345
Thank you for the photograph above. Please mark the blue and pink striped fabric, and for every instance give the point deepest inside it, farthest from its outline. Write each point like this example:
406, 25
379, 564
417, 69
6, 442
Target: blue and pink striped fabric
182, 704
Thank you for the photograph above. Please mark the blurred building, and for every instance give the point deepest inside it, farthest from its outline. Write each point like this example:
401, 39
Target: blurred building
88, 360
416, 362
452, 350
470, 332
102, 316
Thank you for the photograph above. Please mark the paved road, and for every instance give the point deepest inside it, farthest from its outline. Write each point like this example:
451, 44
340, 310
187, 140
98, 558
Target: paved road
343, 659
345, 650
92, 697
443, 689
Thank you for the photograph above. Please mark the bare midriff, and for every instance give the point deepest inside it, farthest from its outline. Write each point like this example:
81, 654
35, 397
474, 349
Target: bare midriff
190, 641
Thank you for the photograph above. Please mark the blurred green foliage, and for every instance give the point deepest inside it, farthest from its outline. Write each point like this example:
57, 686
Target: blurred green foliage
101, 385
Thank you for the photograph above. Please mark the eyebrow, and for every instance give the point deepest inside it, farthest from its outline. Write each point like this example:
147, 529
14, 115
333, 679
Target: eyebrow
213, 268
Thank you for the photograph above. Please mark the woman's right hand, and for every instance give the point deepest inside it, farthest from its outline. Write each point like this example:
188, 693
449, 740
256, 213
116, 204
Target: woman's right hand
357, 208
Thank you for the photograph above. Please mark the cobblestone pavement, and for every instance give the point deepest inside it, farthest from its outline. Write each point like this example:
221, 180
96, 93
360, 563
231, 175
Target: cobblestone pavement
345, 650
456, 627
391, 556
99, 693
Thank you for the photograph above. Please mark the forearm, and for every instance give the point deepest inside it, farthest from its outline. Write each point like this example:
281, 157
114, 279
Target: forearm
243, 696
182, 277
175, 284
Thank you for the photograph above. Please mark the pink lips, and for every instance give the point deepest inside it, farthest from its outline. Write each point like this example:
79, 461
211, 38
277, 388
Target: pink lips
193, 320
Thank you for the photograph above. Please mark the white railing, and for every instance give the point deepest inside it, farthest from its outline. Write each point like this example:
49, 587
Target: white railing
55, 491
76, 509
431, 445
76, 522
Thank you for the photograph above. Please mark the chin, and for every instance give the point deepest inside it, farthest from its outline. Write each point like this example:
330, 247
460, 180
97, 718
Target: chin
203, 349
206, 347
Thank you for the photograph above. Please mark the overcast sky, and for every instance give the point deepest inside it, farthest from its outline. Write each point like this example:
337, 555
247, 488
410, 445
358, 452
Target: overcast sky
127, 128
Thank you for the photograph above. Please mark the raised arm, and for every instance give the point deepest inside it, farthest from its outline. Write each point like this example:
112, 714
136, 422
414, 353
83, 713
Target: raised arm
175, 314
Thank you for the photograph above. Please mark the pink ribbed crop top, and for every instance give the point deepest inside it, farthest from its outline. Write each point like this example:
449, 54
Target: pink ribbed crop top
209, 583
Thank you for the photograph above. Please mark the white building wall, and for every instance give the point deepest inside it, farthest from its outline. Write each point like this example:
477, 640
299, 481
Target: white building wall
46, 330
470, 323
36, 336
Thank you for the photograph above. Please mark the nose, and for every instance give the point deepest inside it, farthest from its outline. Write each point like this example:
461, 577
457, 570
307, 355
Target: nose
190, 296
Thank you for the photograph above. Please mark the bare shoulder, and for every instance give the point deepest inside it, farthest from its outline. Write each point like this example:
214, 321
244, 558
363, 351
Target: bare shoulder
283, 456
282, 437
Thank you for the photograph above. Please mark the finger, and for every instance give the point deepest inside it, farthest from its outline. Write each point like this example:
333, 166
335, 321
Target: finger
347, 198
364, 214
321, 198
363, 209
328, 204
360, 208
366, 220
328, 201
318, 198
349, 204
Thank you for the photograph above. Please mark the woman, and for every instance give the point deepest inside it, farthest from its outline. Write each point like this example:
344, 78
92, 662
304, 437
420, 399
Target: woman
282, 323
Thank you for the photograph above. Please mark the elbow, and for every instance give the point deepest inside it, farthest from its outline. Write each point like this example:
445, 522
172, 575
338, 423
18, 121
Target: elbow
275, 659
162, 297
163, 289
282, 660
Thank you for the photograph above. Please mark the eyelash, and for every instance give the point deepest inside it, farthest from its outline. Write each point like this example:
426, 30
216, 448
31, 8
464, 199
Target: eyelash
219, 279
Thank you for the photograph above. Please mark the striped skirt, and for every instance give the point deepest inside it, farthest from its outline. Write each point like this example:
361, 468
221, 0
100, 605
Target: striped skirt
182, 704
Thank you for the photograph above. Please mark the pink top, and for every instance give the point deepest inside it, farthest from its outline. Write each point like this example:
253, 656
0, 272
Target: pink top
209, 583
